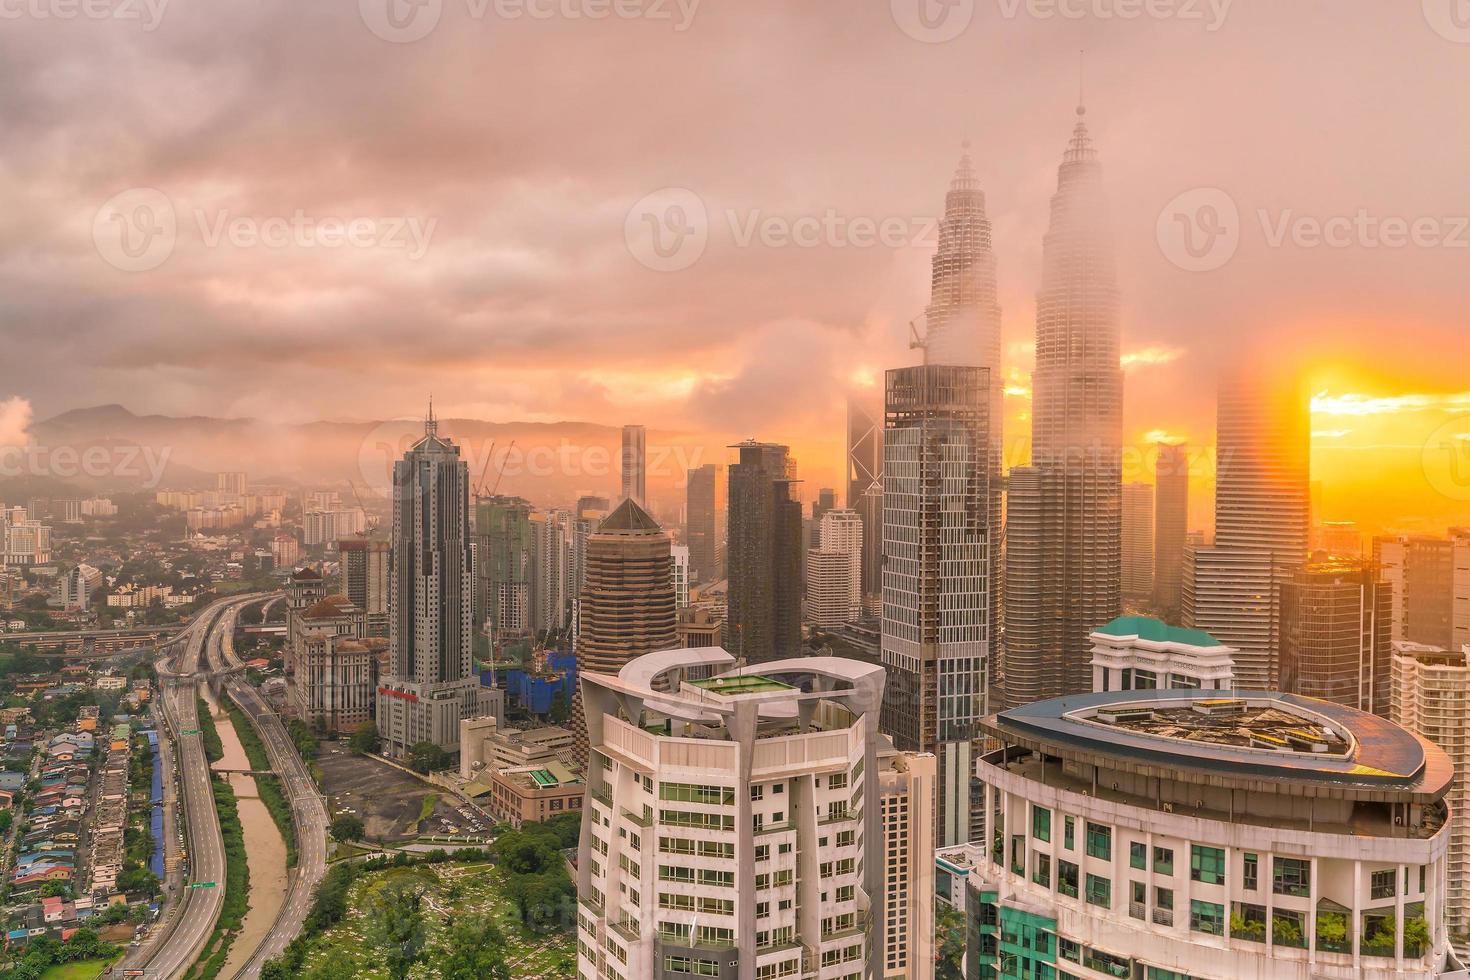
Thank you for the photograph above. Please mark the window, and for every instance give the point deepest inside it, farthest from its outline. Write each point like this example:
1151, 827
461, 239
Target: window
689, 793
701, 821
679, 903
717, 906
1042, 873
1067, 878
1293, 876
1251, 872
1099, 841
1138, 855
1163, 860
846, 837
1382, 885
1207, 917
837, 780
1099, 891
673, 873
762, 909
716, 849
1069, 828
1207, 864
757, 792
1041, 823
763, 852
1164, 898
722, 879
845, 893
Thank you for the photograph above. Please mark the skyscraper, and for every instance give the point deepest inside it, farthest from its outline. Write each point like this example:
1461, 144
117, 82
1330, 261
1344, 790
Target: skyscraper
702, 528
1138, 540
1335, 625
1261, 522
635, 464
1064, 537
503, 566
366, 573
626, 608
1171, 527
432, 687
763, 555
937, 543
1430, 579
865, 490
841, 531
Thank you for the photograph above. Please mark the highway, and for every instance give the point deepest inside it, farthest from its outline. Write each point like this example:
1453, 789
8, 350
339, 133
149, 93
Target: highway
176, 943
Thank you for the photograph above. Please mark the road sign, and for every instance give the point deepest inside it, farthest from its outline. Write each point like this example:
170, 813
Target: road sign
202, 884
189, 731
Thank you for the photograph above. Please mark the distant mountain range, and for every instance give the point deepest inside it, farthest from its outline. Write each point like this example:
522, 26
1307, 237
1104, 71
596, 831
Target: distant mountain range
109, 447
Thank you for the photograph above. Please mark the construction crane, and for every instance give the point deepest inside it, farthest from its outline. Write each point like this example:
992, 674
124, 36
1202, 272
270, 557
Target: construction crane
480, 484
370, 518
500, 477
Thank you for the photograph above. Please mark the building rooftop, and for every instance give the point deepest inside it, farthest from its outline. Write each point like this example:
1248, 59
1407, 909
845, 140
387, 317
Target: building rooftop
1146, 628
729, 685
1248, 739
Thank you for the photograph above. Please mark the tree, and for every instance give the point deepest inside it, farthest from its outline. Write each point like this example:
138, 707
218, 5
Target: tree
395, 923
949, 937
1416, 934
347, 828
55, 889
426, 757
476, 951
365, 739
561, 709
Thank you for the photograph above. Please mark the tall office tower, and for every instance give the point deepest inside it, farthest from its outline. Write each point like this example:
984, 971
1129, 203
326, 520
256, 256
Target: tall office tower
763, 555
1431, 687
1138, 540
627, 605
1262, 505
1335, 624
1135, 838
841, 531
707, 852
233, 484
702, 524
937, 540
635, 464
502, 567
430, 604
826, 500
551, 589
865, 491
1430, 578
1171, 527
1064, 527
367, 564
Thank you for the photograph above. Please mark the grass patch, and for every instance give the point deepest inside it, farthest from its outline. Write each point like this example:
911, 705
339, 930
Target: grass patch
271, 793
426, 810
85, 970
214, 749
236, 885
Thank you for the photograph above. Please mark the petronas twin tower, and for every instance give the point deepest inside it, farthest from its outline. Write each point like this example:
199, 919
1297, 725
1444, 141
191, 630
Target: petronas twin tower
942, 487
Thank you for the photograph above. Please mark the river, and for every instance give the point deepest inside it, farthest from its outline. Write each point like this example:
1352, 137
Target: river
265, 850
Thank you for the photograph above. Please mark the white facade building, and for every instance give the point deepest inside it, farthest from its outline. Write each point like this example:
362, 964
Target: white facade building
1431, 688
841, 531
1159, 835
735, 823
680, 554
829, 588
1137, 653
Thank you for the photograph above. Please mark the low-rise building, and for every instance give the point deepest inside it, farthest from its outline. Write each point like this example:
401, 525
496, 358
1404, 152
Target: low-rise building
1138, 653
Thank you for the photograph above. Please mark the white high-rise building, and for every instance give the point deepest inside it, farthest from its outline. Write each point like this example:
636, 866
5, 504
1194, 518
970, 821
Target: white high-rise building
828, 588
432, 686
75, 588
1138, 540
26, 542
1262, 505
749, 826
680, 554
841, 532
1431, 688
1166, 835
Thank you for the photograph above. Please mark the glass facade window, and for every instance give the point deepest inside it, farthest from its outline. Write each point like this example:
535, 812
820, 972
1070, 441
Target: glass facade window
1041, 823
1067, 878
1381, 885
1208, 917
1293, 876
1163, 861
1207, 864
1069, 833
1099, 891
1099, 841
1138, 855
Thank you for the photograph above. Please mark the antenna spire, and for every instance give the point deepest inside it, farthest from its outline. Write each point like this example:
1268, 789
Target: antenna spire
1082, 82
431, 426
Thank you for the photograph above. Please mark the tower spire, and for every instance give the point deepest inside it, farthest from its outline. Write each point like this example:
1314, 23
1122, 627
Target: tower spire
431, 425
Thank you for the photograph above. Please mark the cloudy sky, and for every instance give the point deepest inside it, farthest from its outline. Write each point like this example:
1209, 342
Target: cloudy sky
295, 210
